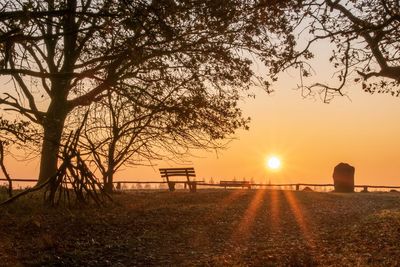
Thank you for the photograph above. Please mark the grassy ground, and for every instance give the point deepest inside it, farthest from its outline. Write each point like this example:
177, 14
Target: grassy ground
209, 228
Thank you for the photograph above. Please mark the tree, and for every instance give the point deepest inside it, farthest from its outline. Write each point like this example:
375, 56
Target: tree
135, 129
72, 175
18, 133
4, 170
63, 55
365, 37
117, 132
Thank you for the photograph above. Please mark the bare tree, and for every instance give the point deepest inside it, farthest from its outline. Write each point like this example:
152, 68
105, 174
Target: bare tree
116, 133
14, 133
66, 54
154, 124
365, 40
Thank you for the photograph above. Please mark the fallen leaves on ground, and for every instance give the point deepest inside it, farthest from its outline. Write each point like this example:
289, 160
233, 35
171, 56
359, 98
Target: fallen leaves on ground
209, 228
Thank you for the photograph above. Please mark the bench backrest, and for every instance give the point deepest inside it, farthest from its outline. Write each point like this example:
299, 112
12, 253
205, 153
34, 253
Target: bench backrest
170, 172
235, 182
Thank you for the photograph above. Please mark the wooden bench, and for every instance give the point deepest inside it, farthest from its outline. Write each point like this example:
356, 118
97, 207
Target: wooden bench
183, 172
241, 184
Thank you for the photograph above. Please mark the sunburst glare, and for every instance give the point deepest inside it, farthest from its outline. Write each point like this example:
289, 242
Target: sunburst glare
273, 163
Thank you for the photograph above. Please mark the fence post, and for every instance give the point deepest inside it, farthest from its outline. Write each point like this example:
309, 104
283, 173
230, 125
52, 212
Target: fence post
297, 187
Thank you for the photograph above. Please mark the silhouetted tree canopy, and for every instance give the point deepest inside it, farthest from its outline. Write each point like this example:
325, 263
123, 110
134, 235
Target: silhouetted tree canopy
136, 129
67, 54
365, 38
16, 131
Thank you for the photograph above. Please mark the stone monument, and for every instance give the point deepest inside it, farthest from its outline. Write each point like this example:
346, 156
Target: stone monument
343, 178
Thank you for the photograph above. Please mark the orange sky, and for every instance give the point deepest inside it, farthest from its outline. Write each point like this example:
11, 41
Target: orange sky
309, 136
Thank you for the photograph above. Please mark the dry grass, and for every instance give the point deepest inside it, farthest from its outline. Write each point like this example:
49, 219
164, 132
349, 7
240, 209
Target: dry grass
209, 228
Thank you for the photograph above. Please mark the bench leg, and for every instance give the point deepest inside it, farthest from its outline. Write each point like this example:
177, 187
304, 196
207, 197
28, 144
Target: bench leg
171, 186
193, 187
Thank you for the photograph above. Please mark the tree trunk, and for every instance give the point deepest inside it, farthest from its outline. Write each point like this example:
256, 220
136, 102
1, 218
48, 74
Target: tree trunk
109, 178
108, 183
53, 127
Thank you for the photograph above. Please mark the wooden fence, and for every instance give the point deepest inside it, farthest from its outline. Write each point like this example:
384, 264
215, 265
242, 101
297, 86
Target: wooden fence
291, 186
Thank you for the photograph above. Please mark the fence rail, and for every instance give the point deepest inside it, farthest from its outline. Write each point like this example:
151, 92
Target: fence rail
200, 183
19, 180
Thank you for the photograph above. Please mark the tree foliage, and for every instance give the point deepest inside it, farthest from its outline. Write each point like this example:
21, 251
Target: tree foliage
365, 38
127, 128
67, 54
16, 131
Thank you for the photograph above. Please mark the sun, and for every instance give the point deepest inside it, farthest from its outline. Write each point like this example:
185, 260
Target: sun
273, 163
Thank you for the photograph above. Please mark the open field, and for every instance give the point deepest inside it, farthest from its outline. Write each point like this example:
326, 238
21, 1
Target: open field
208, 228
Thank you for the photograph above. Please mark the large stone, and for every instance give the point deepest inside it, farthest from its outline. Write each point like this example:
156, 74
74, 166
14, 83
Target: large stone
343, 178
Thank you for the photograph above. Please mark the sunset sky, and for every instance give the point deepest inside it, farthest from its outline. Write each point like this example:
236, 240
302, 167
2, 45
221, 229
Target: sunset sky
309, 136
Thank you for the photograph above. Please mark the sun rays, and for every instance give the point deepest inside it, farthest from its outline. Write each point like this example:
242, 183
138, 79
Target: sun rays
274, 210
245, 226
272, 205
300, 217
268, 214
